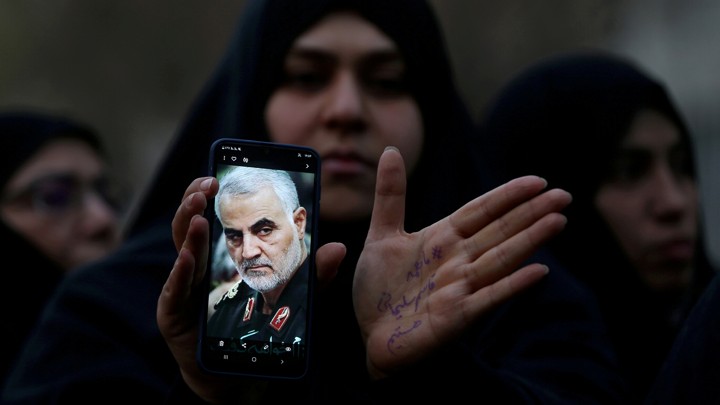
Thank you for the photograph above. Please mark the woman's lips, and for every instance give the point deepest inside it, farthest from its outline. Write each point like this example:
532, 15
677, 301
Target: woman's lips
679, 250
346, 164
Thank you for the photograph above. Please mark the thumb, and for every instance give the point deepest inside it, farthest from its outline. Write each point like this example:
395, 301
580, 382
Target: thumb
388, 213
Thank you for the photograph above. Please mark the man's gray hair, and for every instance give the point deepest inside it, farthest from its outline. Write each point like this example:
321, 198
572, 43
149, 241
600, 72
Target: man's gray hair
250, 180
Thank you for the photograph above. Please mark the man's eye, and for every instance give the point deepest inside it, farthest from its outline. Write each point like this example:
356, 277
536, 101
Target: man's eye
265, 231
234, 239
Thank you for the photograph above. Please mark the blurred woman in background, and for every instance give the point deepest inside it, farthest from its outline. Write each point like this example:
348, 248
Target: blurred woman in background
58, 211
596, 125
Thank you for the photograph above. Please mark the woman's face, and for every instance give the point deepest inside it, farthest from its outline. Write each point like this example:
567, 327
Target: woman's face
57, 201
651, 202
344, 94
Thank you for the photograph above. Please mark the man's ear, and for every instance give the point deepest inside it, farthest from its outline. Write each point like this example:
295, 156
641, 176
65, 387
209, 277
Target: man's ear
300, 218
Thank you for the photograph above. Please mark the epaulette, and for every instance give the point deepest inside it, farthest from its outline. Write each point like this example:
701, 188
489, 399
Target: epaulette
230, 293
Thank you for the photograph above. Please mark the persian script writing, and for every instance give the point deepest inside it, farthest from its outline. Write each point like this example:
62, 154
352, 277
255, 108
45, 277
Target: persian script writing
409, 303
424, 261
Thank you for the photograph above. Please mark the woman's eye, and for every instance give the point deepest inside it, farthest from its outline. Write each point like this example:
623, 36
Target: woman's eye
384, 74
56, 196
629, 167
387, 85
308, 80
680, 162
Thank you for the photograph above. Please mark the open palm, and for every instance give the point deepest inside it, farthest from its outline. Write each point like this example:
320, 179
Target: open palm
414, 292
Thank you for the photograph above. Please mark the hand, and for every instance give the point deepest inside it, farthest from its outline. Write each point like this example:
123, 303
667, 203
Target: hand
181, 299
414, 292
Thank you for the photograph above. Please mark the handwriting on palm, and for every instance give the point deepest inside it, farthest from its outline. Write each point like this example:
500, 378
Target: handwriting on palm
414, 292
412, 301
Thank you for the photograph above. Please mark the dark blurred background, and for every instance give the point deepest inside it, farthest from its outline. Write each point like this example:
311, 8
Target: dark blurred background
131, 68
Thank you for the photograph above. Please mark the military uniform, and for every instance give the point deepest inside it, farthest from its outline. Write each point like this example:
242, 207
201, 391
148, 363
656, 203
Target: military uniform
238, 314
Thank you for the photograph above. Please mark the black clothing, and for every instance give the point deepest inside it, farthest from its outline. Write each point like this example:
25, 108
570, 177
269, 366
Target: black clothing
27, 285
690, 374
98, 338
563, 119
24, 291
24, 132
545, 346
239, 312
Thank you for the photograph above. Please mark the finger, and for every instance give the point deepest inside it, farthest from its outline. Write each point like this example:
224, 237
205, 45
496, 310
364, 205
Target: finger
175, 305
188, 270
496, 293
177, 314
517, 220
197, 242
328, 259
388, 213
175, 292
194, 203
207, 185
481, 211
503, 259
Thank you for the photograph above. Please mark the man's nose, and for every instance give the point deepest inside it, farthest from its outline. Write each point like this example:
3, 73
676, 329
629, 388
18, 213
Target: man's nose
251, 246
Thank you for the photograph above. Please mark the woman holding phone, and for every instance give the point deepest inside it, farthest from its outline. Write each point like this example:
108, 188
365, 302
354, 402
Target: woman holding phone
404, 211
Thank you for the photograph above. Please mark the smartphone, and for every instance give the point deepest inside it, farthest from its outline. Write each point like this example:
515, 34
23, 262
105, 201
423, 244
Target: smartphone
259, 284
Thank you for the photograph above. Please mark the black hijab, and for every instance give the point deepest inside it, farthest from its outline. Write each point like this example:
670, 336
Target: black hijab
232, 105
22, 134
233, 101
563, 119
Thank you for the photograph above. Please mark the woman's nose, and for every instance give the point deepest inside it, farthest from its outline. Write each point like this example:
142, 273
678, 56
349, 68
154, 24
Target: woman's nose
344, 107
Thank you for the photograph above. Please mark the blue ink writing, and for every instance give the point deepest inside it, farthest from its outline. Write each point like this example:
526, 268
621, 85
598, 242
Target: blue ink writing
424, 261
385, 303
392, 343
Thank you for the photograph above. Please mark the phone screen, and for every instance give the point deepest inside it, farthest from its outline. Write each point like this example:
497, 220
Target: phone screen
261, 265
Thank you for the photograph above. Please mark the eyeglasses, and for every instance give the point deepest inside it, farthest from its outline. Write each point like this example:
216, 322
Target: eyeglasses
63, 193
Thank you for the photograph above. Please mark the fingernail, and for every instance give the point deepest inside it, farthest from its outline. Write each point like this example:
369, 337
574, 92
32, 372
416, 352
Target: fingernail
205, 185
188, 201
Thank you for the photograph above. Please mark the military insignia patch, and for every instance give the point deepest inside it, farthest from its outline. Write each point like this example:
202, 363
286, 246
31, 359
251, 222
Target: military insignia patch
281, 316
232, 291
248, 309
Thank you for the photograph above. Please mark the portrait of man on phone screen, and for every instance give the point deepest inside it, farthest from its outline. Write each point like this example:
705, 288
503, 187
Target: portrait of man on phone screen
264, 229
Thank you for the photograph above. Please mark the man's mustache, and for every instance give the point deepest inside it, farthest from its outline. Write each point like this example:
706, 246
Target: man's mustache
255, 262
